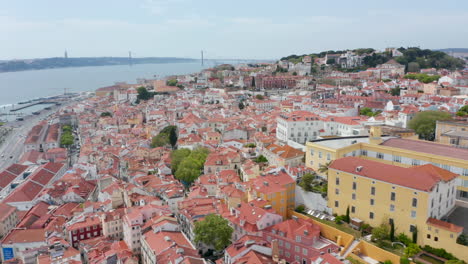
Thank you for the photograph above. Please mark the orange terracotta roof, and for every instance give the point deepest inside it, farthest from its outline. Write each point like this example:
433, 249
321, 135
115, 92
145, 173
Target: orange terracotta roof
422, 178
445, 225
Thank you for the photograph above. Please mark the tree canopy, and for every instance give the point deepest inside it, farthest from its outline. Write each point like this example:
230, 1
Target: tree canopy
66, 138
104, 114
424, 123
167, 136
463, 111
368, 112
187, 164
172, 82
422, 77
306, 182
261, 159
214, 231
143, 94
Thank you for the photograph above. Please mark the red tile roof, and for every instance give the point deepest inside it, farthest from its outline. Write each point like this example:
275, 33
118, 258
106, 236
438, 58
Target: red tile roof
24, 236
422, 178
427, 147
25, 192
445, 225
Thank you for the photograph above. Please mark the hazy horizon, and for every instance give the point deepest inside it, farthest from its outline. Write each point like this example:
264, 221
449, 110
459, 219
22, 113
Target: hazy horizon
239, 29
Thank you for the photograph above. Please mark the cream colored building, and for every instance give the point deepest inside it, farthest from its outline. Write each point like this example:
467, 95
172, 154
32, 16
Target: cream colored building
394, 151
380, 193
454, 133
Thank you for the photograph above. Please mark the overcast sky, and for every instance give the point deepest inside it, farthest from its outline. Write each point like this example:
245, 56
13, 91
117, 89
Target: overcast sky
253, 29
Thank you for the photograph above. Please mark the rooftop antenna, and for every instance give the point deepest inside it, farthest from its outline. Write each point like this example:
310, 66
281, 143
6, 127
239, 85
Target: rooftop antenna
130, 58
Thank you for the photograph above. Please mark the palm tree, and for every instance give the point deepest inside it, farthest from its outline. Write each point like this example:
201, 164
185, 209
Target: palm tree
323, 168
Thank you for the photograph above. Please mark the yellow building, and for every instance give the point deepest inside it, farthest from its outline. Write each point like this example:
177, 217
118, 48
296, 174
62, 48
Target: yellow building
454, 133
377, 193
440, 234
278, 188
395, 151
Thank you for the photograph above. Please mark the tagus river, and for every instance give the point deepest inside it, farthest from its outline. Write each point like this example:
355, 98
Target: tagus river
25, 85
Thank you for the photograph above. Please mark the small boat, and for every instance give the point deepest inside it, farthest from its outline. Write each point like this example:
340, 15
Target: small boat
36, 113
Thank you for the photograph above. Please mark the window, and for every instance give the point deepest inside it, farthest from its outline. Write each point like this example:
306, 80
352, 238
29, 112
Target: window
392, 208
320, 154
288, 246
353, 209
296, 248
304, 251
353, 196
428, 235
354, 185
337, 191
415, 162
298, 238
328, 156
372, 190
336, 204
415, 202
390, 221
397, 159
413, 214
465, 172
371, 201
364, 152
311, 152
337, 181
412, 228
371, 215
392, 196
287, 254
436, 238
380, 155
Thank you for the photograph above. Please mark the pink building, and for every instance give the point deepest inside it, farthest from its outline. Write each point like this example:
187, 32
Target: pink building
299, 240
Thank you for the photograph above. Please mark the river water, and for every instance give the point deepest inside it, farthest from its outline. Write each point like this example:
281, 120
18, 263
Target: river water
25, 85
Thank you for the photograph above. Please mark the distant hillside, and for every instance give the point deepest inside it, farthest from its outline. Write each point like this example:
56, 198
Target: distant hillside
415, 57
50, 63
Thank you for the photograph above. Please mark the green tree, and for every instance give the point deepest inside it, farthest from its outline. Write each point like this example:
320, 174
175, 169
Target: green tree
381, 232
411, 250
261, 159
294, 73
404, 239
348, 219
415, 235
214, 231
404, 260
104, 114
172, 82
173, 137
167, 136
177, 156
306, 182
331, 61
323, 168
424, 123
392, 231
395, 91
66, 139
463, 111
300, 208
259, 97
413, 67
462, 239
187, 165
143, 94
241, 105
